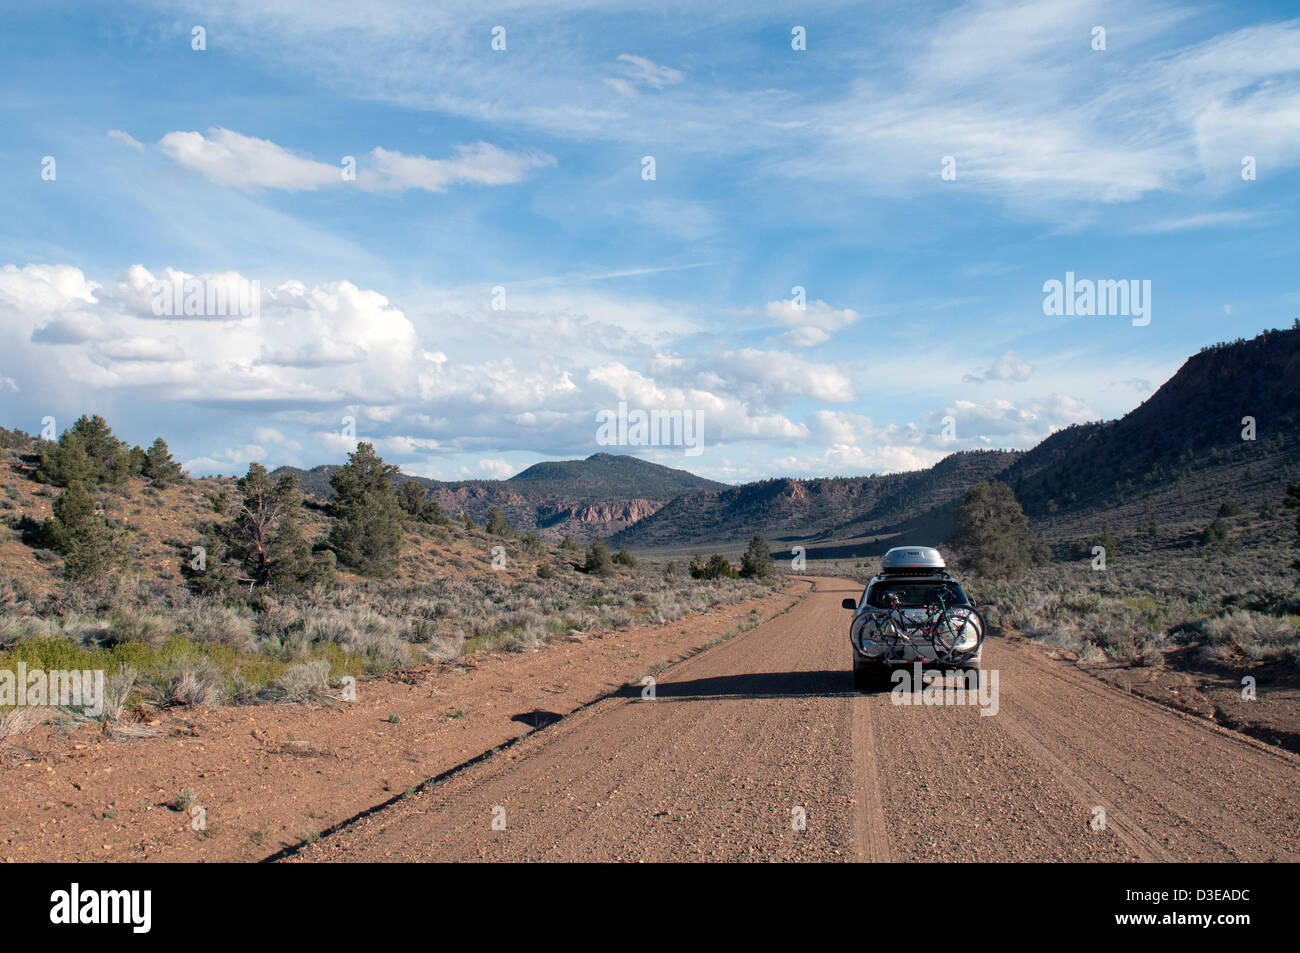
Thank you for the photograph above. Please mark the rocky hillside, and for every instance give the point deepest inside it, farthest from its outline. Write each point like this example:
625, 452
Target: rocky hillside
1193, 424
789, 510
597, 496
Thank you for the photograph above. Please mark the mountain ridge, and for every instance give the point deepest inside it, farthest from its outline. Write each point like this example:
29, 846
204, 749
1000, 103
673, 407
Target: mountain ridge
1189, 433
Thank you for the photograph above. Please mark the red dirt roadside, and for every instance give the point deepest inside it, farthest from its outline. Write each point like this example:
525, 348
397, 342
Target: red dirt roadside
269, 777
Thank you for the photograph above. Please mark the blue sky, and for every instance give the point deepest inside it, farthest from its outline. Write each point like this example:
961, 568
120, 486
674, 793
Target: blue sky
522, 169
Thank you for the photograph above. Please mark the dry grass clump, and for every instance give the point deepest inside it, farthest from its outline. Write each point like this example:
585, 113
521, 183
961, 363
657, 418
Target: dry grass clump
117, 690
195, 682
1241, 633
304, 682
18, 721
362, 630
218, 624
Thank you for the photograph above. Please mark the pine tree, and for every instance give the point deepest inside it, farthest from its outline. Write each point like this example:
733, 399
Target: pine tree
292, 564
66, 462
108, 453
415, 501
717, 567
158, 464
250, 535
434, 513
136, 458
367, 533
88, 453
757, 561
263, 544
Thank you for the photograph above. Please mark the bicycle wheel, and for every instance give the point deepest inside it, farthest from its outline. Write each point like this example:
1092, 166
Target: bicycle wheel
887, 631
959, 634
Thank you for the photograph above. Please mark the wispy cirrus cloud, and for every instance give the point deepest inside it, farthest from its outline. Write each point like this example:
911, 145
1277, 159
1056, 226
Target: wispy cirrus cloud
1225, 219
637, 71
245, 162
1012, 89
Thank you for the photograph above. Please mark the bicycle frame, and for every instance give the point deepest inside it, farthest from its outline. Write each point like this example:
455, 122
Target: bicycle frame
896, 627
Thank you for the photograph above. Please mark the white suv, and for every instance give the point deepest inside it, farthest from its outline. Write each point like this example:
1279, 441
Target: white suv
913, 611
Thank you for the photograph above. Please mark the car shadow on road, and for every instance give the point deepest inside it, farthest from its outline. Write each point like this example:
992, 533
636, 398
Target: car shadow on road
753, 685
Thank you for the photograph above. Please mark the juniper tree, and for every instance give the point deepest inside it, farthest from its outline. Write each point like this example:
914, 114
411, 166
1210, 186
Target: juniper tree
757, 561
83, 536
66, 462
1216, 532
367, 532
992, 531
598, 559
496, 523
263, 544
717, 567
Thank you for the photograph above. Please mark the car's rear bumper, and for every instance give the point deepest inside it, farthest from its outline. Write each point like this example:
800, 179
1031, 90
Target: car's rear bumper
906, 655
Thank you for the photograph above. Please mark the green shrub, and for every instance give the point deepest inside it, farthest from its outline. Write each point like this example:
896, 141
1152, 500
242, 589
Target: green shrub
717, 567
598, 559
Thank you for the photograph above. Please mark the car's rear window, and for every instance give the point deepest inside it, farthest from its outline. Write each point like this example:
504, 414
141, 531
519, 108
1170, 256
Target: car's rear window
915, 593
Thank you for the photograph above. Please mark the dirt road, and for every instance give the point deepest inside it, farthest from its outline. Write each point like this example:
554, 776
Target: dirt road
759, 749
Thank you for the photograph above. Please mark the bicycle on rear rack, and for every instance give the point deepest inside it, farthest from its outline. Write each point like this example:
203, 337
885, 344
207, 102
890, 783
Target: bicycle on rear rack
955, 632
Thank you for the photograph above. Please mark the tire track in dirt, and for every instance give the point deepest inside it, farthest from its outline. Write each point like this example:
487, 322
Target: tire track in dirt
871, 835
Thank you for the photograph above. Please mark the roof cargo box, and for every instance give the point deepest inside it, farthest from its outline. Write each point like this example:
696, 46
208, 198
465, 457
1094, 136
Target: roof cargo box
912, 560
